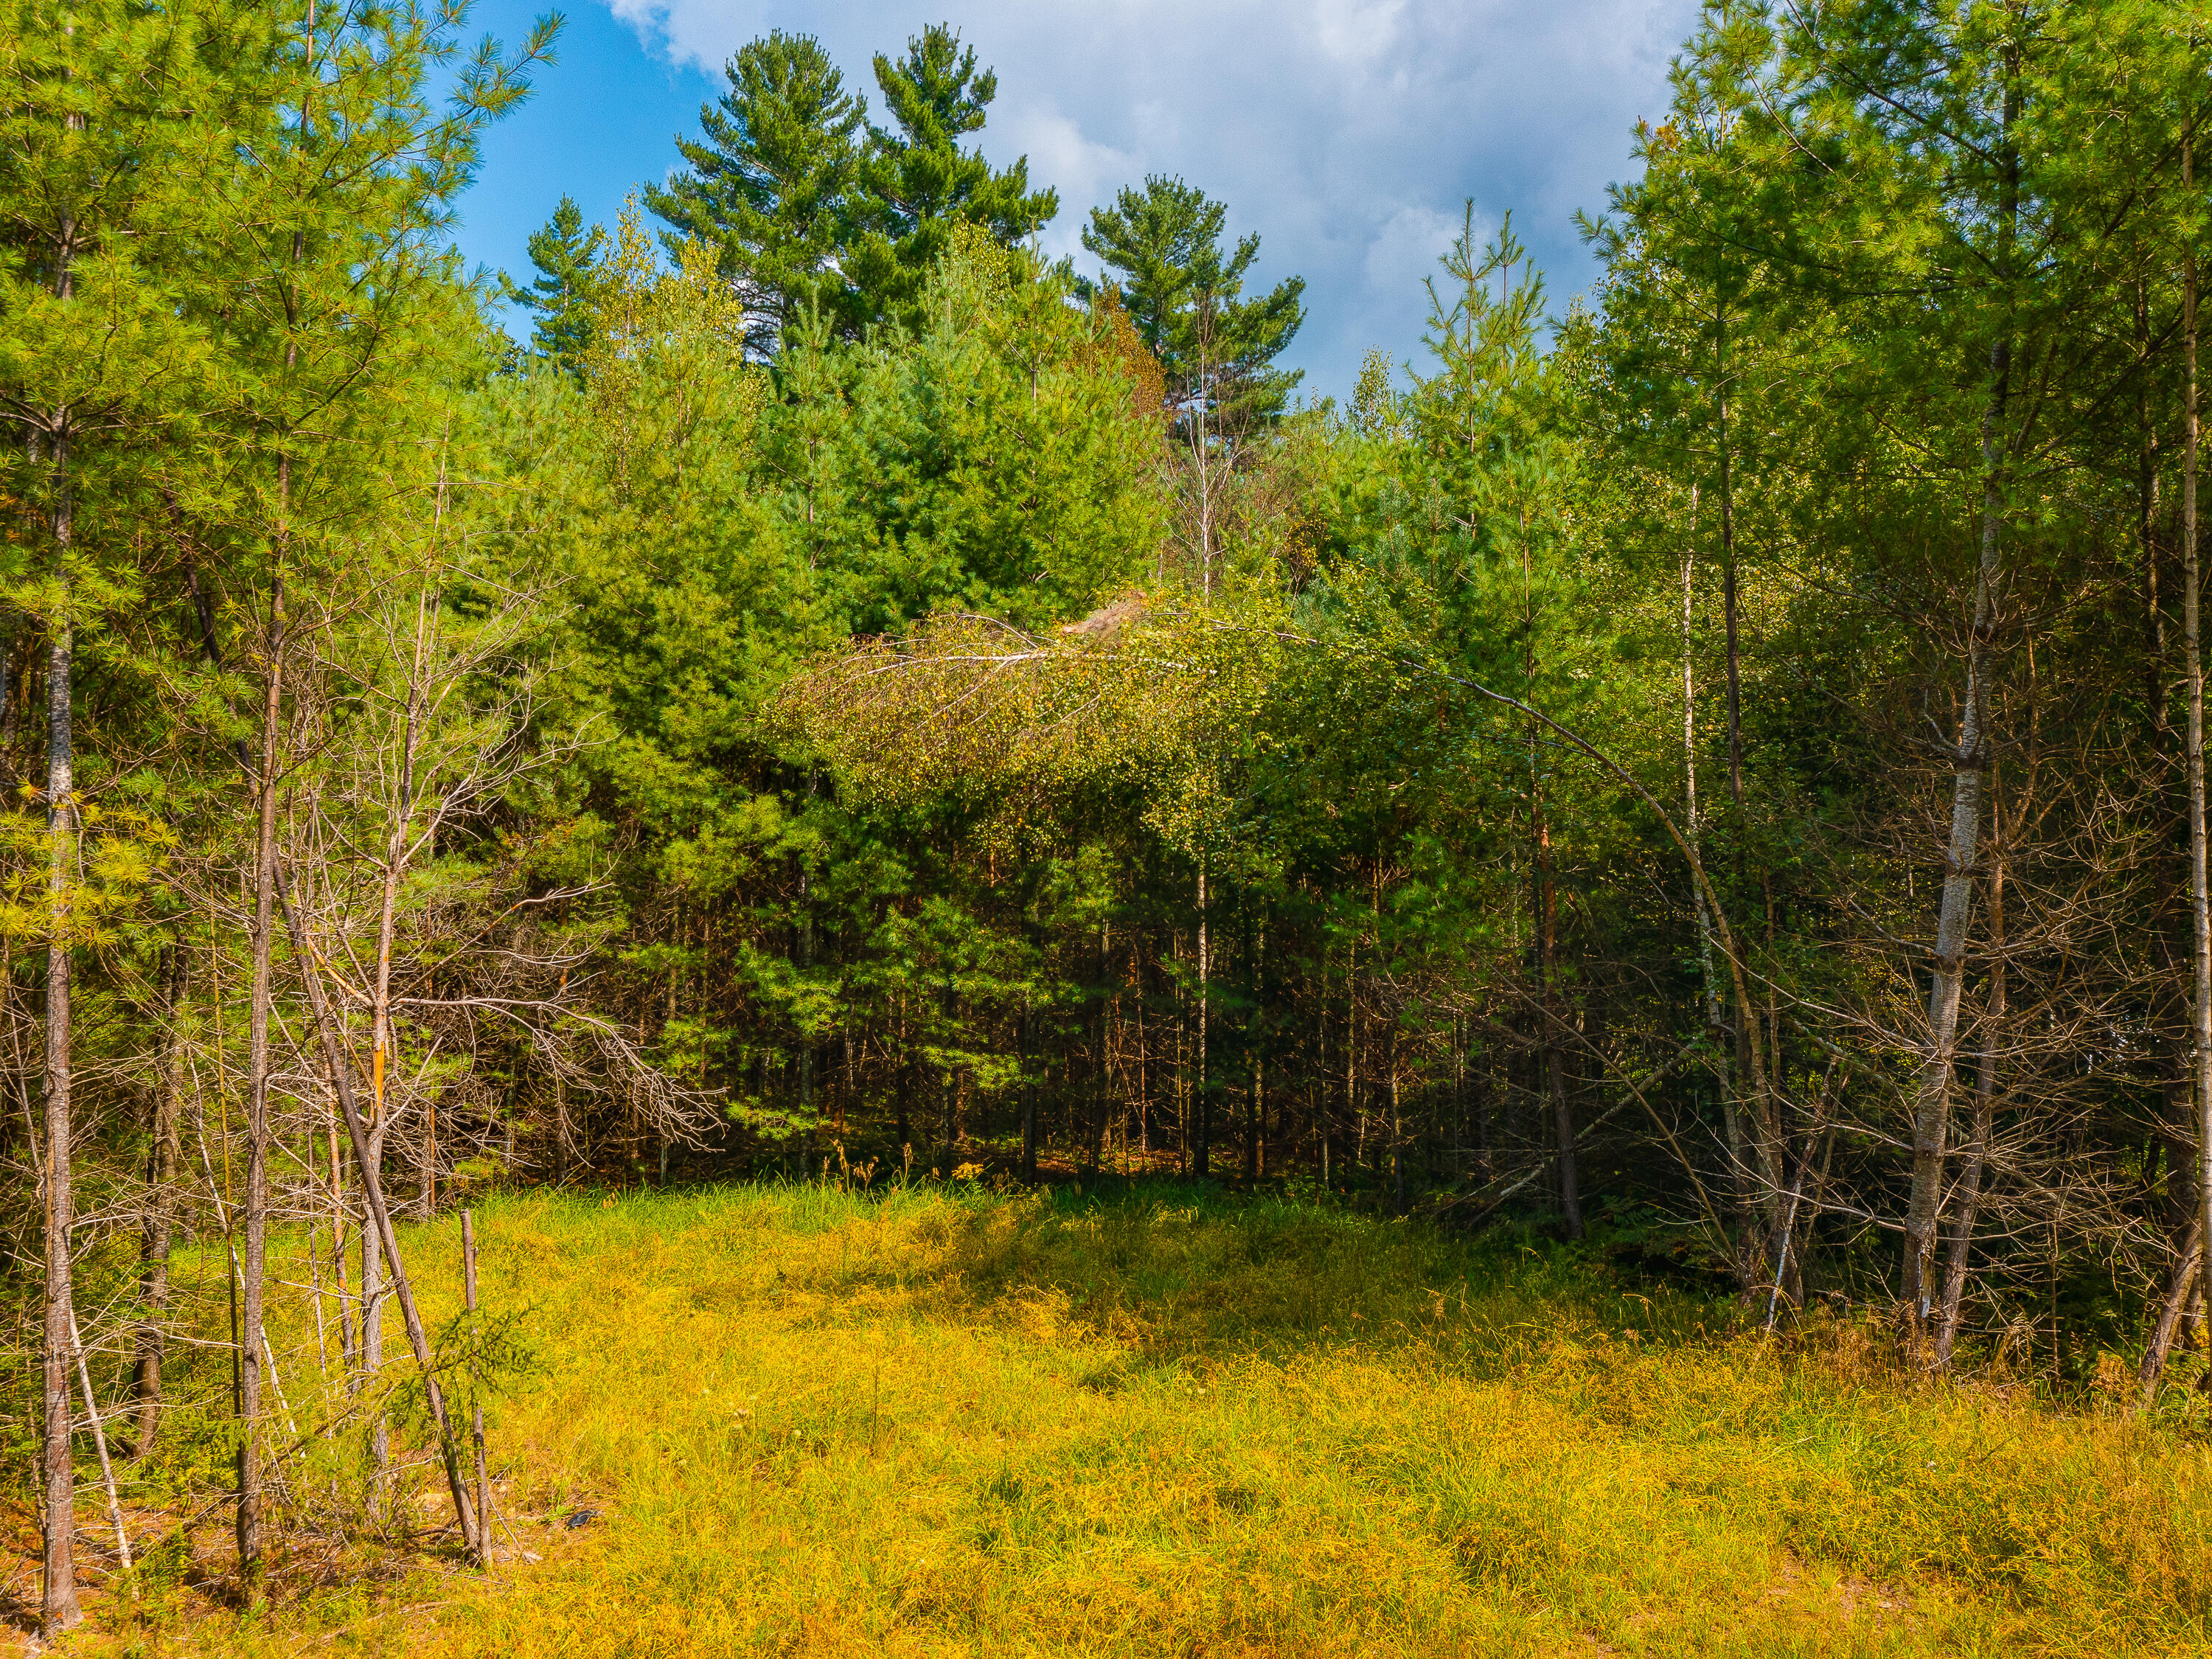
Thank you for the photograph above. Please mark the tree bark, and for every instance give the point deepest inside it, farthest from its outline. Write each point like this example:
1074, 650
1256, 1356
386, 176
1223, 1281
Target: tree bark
380, 1215
1932, 1102
59, 1608
2200, 901
1029, 1101
253, 1268
396, 855
804, 953
347, 1352
374, 1286
475, 1392
2181, 1282
1767, 1174
1709, 988
1563, 1122
159, 1222
1543, 919
1969, 1198
1202, 1113
2177, 1048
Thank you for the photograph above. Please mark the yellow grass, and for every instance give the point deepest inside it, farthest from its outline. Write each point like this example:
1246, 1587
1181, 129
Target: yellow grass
944, 1423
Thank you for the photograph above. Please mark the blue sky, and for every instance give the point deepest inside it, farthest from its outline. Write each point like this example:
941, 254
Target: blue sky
1347, 133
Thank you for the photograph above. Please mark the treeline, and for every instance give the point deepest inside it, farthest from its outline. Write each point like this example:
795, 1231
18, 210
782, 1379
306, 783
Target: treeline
1720, 767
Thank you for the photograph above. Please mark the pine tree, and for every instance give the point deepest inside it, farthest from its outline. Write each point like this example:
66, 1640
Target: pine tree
561, 297
916, 182
99, 371
1184, 291
338, 317
770, 186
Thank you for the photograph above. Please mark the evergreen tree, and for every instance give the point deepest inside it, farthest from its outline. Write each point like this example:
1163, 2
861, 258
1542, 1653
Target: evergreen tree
104, 379
769, 187
917, 182
1184, 291
561, 298
341, 317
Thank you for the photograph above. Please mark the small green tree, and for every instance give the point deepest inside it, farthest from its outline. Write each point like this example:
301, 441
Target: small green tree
102, 366
559, 300
1184, 291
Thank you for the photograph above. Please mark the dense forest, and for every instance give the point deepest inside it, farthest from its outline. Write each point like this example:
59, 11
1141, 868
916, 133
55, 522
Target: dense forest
1713, 769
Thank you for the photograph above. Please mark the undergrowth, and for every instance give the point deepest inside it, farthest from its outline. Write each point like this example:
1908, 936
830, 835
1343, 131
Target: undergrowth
944, 1421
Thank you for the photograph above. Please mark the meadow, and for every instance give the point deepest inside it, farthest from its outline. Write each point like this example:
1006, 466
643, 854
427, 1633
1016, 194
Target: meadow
1151, 1421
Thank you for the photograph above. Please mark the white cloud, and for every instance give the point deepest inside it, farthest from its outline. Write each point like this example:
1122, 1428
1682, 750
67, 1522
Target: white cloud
1405, 248
1083, 170
1346, 132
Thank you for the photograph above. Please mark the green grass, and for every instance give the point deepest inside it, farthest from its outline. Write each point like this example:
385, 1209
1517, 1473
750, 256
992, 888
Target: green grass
943, 1422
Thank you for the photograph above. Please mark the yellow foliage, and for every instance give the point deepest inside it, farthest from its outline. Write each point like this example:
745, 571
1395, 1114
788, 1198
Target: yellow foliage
1118, 344
668, 347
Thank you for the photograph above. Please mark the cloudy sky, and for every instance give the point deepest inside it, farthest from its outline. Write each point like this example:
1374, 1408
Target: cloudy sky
1347, 133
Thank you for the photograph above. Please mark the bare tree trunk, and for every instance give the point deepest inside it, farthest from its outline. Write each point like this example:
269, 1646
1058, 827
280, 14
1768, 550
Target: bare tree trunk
805, 952
1731, 1123
380, 1216
2179, 1084
1555, 1080
1543, 917
1931, 1104
10, 689
348, 1355
1203, 1116
1729, 609
426, 1172
1969, 1197
2192, 651
475, 1392
254, 1269
560, 1129
373, 1287
1763, 1168
155, 1230
99, 1446
1029, 1101
1201, 450
59, 1609
2181, 1284
1256, 1158
396, 855
1321, 1114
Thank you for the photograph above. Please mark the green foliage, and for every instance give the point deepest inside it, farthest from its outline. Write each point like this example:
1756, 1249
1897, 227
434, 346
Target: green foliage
852, 696
820, 218
916, 182
1184, 291
560, 299
718, 526
771, 187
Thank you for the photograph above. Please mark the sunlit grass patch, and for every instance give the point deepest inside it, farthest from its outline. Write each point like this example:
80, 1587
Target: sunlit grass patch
947, 1422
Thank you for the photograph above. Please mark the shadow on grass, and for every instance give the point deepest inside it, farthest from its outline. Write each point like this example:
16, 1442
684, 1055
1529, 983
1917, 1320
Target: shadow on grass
1177, 1266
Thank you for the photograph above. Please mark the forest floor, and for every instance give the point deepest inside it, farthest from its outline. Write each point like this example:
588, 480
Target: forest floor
792, 1420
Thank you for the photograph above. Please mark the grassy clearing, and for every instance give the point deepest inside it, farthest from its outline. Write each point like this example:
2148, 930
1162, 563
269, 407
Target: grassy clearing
950, 1423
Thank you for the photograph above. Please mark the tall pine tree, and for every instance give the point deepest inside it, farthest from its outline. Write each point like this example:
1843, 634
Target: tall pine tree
561, 297
770, 185
1185, 292
917, 182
